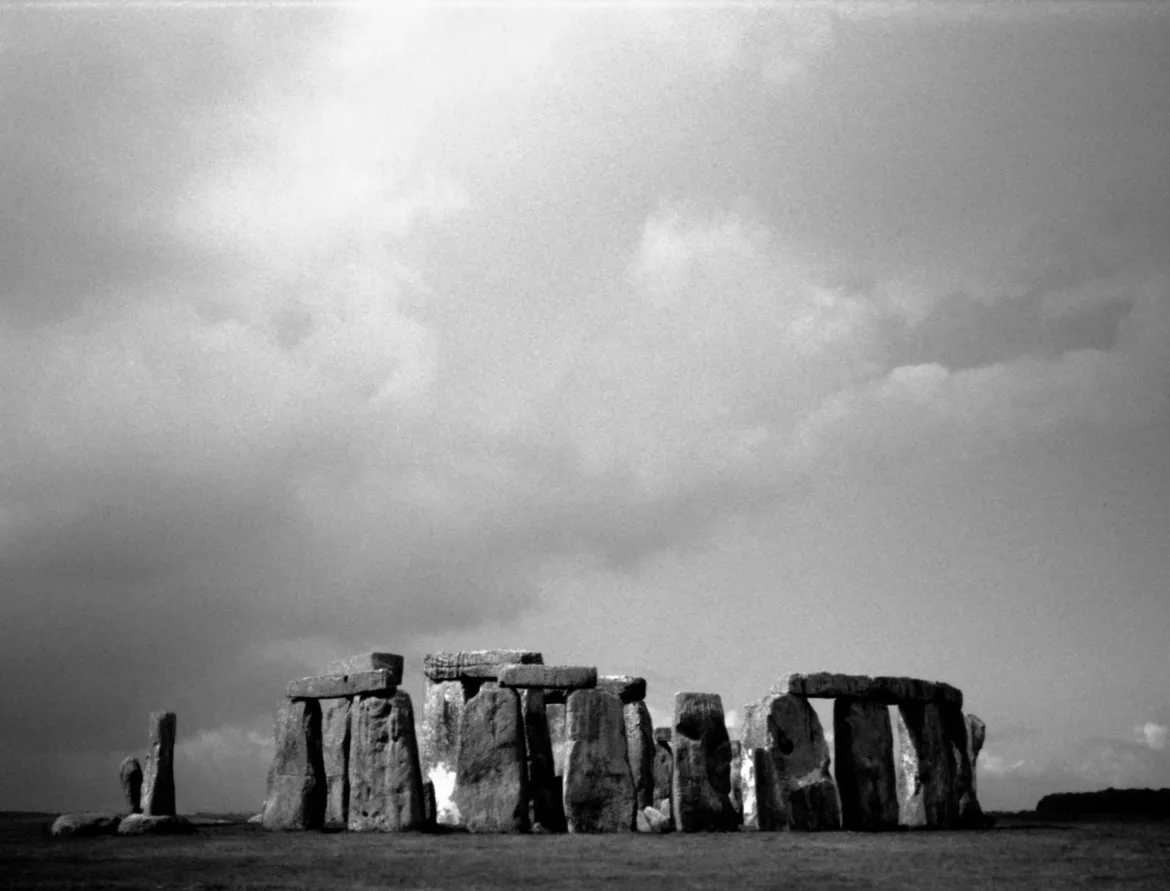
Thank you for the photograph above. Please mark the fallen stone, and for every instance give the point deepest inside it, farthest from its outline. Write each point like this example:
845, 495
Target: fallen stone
663, 772
887, 690
701, 795
130, 774
926, 768
598, 785
163, 824
385, 779
335, 735
296, 777
439, 745
557, 734
335, 686
545, 805
158, 776
640, 750
866, 781
84, 825
628, 689
367, 662
763, 803
564, 677
475, 663
491, 783
650, 819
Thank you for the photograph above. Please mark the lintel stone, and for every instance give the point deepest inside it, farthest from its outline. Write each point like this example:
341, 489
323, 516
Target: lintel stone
480, 664
332, 686
888, 690
562, 677
364, 662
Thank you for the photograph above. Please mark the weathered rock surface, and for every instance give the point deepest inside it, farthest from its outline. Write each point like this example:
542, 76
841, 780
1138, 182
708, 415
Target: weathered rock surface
701, 795
736, 778
663, 771
130, 773
626, 687
558, 735
385, 780
296, 778
491, 783
640, 750
864, 743
762, 797
650, 819
162, 824
926, 768
335, 733
598, 784
83, 825
475, 663
888, 690
158, 775
563, 677
367, 662
788, 729
345, 685
546, 807
439, 744
966, 750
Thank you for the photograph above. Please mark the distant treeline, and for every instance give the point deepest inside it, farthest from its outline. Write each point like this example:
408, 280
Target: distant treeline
1147, 802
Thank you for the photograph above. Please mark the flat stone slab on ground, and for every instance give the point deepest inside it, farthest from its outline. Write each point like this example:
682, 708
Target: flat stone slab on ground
83, 825
475, 663
166, 824
363, 662
628, 689
887, 690
333, 686
555, 677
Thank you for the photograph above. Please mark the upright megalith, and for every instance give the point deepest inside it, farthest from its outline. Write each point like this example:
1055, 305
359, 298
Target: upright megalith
640, 746
546, 808
557, 734
598, 785
925, 768
702, 765
385, 781
737, 778
968, 734
761, 792
296, 778
158, 777
799, 784
491, 773
864, 743
663, 769
335, 738
130, 775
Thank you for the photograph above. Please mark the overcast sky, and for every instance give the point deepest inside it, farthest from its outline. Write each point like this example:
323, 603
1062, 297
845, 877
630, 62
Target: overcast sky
702, 344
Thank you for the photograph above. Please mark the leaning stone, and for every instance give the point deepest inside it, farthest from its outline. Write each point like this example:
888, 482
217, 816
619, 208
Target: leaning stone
640, 750
158, 777
563, 677
145, 824
82, 825
130, 774
367, 662
439, 744
546, 807
475, 663
864, 745
335, 735
702, 765
763, 802
557, 734
926, 767
650, 819
628, 689
491, 782
385, 780
296, 778
342, 685
663, 771
888, 690
598, 785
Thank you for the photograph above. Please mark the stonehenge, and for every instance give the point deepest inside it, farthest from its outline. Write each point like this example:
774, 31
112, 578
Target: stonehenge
131, 775
701, 788
158, 777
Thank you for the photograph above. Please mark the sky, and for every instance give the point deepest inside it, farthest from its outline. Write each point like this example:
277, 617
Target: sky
697, 342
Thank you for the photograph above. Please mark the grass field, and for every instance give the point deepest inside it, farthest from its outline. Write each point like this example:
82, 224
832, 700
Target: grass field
1017, 854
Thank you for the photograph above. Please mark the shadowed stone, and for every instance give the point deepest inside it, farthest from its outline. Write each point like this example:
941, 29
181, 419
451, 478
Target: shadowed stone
158, 775
663, 769
546, 808
481, 664
598, 784
788, 729
864, 743
640, 748
926, 767
558, 735
763, 804
663, 735
385, 780
83, 825
380, 681
367, 662
701, 795
563, 677
130, 774
970, 733
296, 778
491, 784
335, 735
428, 804
736, 778
439, 745
888, 690
161, 824
627, 688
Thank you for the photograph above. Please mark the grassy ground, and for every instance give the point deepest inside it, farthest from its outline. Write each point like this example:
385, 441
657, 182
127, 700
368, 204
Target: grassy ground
1017, 854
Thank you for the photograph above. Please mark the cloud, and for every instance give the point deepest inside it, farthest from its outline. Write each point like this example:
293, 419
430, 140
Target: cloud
1152, 735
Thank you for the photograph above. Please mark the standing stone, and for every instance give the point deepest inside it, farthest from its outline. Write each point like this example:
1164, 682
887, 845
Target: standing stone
296, 778
335, 735
701, 795
131, 776
864, 742
737, 778
763, 803
544, 786
788, 729
558, 735
663, 769
598, 785
385, 781
158, 777
491, 782
926, 767
640, 751
970, 813
439, 745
